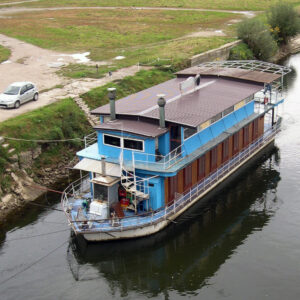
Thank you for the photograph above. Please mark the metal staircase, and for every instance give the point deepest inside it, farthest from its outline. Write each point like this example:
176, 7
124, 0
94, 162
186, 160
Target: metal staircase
137, 186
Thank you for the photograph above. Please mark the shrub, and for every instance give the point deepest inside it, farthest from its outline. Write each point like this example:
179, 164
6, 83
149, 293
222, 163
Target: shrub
284, 22
241, 52
258, 37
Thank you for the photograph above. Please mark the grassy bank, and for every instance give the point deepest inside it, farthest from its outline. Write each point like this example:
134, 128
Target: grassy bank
4, 54
209, 4
58, 121
127, 86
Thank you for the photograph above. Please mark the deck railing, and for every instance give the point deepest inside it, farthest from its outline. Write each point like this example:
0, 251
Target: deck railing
165, 162
164, 214
90, 139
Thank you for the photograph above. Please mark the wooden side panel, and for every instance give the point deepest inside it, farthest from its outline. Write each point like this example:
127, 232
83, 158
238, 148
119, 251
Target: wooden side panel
250, 132
207, 163
166, 190
180, 181
260, 126
241, 139
219, 159
230, 146
194, 172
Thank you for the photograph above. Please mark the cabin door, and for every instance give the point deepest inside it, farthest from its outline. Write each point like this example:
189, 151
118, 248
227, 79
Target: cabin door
175, 136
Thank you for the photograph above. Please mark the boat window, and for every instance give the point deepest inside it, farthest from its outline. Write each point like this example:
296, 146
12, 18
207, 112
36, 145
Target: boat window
216, 118
112, 140
189, 132
228, 111
133, 144
100, 192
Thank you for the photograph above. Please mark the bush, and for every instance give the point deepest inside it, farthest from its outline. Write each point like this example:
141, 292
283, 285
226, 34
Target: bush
241, 52
284, 22
258, 37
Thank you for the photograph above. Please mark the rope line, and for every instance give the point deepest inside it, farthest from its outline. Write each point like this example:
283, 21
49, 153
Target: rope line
33, 236
31, 265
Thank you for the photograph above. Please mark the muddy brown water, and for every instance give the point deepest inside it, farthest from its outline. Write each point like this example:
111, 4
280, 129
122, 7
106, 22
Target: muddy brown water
242, 244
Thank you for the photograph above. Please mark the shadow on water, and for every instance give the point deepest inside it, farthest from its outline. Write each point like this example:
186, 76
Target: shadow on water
185, 255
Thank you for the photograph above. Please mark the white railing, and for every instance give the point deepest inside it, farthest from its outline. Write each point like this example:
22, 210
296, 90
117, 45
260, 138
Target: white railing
75, 190
90, 139
190, 195
165, 162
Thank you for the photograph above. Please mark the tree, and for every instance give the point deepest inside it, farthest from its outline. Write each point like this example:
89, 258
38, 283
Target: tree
258, 37
284, 22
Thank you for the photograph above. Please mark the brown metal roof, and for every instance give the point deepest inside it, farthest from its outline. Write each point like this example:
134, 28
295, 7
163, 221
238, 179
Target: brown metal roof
213, 96
243, 74
133, 126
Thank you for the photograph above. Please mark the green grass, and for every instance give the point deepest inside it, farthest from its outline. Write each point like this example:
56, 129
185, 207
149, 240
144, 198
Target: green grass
127, 86
60, 120
209, 4
4, 53
140, 36
57, 121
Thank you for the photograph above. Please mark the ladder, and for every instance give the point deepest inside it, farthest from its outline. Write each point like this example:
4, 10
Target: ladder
137, 186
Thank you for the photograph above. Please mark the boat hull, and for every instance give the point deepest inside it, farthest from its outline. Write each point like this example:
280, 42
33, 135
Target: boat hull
154, 228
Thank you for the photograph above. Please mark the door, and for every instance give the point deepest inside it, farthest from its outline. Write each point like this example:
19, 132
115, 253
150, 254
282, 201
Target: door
23, 95
30, 92
175, 136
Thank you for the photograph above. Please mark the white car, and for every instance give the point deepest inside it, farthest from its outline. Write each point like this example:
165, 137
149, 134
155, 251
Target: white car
18, 93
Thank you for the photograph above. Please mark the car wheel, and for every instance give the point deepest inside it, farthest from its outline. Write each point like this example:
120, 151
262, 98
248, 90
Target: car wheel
17, 104
35, 97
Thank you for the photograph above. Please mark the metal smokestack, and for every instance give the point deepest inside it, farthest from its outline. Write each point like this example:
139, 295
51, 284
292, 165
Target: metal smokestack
161, 102
103, 167
112, 102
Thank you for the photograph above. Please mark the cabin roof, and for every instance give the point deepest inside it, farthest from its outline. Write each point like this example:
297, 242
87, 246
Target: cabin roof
133, 126
192, 108
243, 74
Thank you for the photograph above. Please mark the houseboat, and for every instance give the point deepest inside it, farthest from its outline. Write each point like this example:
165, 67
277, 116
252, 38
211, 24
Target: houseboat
157, 152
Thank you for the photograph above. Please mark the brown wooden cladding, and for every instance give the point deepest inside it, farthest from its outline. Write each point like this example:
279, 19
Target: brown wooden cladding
212, 159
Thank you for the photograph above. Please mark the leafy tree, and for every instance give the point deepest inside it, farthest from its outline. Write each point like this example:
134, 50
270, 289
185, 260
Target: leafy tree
258, 37
284, 22
241, 52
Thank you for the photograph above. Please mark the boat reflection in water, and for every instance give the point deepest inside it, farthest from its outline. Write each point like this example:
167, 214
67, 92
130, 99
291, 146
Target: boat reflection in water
185, 255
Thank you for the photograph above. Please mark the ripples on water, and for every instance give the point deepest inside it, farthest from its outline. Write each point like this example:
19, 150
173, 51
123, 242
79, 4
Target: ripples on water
242, 242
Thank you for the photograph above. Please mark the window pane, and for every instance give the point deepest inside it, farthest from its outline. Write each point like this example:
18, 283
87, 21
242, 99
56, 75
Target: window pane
112, 140
189, 132
133, 144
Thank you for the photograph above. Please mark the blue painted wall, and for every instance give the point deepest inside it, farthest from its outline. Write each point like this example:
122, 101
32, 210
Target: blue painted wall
114, 152
157, 193
204, 136
164, 143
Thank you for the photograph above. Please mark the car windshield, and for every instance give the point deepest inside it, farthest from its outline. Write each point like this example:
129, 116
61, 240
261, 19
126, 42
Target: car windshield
12, 90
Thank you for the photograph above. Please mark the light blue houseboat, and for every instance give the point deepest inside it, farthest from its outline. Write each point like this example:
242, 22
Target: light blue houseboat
157, 152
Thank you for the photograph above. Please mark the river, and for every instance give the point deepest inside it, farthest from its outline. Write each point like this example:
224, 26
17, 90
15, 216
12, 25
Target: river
243, 245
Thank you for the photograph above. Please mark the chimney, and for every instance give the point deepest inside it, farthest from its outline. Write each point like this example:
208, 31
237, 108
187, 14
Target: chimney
161, 102
112, 100
103, 167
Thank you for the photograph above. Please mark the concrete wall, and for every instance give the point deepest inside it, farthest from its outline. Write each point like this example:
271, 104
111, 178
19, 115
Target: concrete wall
221, 53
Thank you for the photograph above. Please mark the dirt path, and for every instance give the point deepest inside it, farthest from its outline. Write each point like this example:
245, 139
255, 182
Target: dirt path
9, 10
